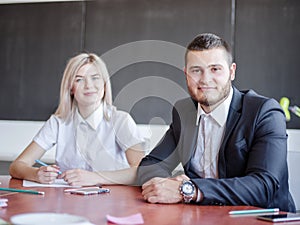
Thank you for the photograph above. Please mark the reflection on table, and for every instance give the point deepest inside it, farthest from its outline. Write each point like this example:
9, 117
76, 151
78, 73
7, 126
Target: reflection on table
121, 201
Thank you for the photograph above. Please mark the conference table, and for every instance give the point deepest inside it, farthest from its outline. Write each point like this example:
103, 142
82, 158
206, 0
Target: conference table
120, 202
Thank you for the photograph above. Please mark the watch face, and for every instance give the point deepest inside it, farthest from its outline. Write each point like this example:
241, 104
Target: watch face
187, 188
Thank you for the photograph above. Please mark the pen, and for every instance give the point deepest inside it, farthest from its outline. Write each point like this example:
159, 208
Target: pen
253, 211
82, 188
23, 191
44, 164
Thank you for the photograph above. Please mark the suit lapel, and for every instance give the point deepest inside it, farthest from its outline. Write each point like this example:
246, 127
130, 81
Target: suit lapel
189, 133
233, 117
189, 139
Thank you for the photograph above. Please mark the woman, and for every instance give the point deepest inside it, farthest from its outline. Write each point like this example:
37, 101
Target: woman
95, 143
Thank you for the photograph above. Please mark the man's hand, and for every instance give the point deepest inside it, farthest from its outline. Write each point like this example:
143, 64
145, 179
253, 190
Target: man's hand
163, 190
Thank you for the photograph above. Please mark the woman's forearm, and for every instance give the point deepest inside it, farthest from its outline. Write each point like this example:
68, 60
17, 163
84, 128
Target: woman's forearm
124, 176
21, 170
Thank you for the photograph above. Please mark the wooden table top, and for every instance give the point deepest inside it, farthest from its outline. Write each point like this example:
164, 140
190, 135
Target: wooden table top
121, 201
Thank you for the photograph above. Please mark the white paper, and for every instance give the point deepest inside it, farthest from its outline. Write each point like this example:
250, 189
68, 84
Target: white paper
56, 183
132, 219
3, 203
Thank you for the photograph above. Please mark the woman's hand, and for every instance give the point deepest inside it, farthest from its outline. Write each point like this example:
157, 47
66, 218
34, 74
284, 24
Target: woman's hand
47, 174
79, 177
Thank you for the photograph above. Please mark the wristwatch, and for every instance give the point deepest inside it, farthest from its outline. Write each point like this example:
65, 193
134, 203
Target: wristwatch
187, 190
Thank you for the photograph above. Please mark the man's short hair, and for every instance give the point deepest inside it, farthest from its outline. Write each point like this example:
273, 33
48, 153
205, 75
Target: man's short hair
208, 41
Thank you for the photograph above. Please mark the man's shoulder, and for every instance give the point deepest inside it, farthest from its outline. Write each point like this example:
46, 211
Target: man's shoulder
253, 94
254, 97
254, 101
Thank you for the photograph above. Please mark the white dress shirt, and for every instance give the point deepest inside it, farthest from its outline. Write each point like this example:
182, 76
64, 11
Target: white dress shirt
92, 144
205, 158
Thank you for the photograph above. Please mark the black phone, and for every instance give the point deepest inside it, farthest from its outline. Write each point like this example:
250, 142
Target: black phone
280, 217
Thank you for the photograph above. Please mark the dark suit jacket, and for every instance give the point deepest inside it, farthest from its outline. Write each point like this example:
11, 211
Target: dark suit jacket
252, 162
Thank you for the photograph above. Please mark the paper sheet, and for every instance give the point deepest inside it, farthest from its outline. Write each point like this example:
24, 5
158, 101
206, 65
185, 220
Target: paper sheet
57, 183
132, 219
3, 202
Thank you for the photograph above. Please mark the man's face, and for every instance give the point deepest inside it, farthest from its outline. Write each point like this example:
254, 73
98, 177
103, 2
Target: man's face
209, 77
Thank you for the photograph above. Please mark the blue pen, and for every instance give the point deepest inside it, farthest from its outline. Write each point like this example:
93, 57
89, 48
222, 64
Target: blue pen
44, 164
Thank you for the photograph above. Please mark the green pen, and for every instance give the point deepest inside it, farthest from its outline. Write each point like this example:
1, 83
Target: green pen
23, 191
253, 211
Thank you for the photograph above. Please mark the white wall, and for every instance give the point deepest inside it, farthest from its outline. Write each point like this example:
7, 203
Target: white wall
294, 164
16, 135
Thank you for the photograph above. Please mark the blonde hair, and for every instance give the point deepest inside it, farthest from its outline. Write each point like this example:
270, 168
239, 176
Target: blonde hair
67, 103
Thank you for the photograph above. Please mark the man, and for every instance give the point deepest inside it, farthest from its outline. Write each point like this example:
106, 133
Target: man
232, 144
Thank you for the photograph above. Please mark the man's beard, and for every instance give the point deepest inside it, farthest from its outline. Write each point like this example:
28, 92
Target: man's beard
208, 100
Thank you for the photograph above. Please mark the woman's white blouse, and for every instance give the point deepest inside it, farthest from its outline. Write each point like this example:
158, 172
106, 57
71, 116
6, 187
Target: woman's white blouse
94, 144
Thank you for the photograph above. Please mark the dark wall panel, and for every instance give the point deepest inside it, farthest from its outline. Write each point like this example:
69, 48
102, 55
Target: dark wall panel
36, 40
143, 44
267, 49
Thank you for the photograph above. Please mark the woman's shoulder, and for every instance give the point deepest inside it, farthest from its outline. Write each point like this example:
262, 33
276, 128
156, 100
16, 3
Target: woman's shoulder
55, 118
119, 115
58, 121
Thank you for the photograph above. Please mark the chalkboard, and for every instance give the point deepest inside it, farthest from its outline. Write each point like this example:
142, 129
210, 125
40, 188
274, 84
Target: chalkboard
36, 41
267, 49
142, 43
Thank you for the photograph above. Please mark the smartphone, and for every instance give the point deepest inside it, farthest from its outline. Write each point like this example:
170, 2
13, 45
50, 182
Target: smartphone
280, 217
89, 191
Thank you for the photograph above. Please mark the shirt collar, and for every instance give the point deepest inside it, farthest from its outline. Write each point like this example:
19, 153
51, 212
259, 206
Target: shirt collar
220, 113
93, 120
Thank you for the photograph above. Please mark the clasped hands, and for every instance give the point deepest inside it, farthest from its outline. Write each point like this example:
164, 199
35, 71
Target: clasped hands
163, 190
74, 177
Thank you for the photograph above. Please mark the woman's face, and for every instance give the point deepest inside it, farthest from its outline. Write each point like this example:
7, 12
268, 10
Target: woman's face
88, 87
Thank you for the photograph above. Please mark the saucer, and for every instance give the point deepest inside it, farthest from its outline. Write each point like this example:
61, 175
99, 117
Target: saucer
48, 219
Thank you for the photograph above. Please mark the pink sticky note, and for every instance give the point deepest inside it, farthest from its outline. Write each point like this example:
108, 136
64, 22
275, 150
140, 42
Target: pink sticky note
132, 219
